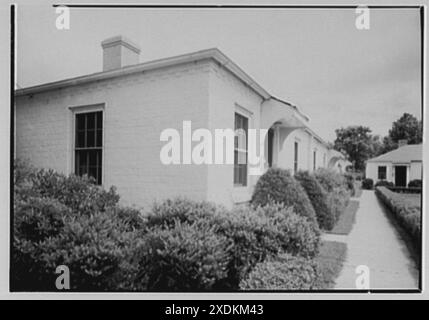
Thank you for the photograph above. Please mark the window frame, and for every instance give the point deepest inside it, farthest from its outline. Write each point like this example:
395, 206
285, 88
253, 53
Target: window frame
385, 172
295, 156
238, 150
314, 159
82, 110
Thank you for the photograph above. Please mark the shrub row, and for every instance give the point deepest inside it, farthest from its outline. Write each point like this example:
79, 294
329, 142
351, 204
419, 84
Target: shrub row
179, 233
320, 197
179, 245
406, 213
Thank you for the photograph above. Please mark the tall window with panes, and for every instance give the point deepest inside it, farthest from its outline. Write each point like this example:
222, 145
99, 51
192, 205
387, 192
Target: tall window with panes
240, 150
89, 144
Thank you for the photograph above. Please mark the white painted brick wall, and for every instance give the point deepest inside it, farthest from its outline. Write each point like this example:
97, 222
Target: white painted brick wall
137, 109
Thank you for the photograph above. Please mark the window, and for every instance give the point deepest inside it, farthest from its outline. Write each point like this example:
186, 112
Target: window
240, 150
314, 160
89, 144
381, 172
270, 147
295, 159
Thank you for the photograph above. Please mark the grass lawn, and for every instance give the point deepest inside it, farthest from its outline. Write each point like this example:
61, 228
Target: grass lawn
347, 219
331, 259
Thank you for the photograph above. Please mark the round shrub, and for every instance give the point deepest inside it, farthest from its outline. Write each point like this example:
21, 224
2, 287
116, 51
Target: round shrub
258, 233
284, 273
185, 257
417, 183
330, 179
367, 184
166, 213
319, 199
278, 186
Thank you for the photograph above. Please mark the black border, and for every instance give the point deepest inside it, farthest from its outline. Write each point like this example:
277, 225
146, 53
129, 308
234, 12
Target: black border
213, 6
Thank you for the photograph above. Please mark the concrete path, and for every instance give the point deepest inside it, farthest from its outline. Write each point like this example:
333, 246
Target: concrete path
375, 243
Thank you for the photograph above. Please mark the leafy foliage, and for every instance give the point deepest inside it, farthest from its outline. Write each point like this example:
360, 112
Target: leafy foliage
57, 223
384, 183
417, 183
185, 257
406, 213
279, 186
367, 184
284, 273
319, 199
356, 142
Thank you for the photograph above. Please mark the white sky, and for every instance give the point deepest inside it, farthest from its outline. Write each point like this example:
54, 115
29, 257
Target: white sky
314, 58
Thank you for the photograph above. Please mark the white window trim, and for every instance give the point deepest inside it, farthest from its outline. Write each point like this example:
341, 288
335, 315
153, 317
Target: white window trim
74, 110
239, 189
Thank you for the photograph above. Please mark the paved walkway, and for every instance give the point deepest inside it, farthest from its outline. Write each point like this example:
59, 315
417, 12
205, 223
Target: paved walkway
374, 242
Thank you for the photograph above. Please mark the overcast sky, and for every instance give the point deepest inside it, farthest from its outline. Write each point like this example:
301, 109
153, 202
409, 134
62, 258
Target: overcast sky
316, 59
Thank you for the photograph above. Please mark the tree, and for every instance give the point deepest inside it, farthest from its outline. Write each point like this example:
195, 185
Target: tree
357, 143
407, 127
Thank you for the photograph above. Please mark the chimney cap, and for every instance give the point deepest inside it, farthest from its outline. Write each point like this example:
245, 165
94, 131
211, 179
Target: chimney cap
402, 142
121, 40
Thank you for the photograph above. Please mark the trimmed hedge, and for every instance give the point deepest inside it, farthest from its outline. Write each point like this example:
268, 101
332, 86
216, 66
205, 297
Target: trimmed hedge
406, 213
284, 273
279, 186
185, 257
367, 184
417, 183
326, 218
330, 179
178, 245
338, 199
256, 233
384, 183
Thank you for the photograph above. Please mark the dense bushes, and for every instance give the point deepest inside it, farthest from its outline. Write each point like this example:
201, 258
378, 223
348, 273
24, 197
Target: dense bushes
329, 179
283, 273
278, 186
367, 184
384, 183
350, 183
407, 213
417, 183
177, 245
67, 220
184, 257
319, 199
338, 193
255, 233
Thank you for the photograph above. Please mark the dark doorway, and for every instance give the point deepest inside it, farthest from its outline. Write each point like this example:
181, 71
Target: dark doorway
270, 147
400, 176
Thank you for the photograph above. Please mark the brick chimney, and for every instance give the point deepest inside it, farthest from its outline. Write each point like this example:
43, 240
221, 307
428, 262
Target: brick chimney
119, 52
402, 142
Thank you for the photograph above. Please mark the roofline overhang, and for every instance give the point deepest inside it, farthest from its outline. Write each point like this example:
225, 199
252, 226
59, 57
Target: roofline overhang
214, 54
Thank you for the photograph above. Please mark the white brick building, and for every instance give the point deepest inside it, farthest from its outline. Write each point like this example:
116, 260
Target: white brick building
108, 124
398, 166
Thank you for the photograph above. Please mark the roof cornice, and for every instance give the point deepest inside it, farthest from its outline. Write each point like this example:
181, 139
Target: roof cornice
214, 54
